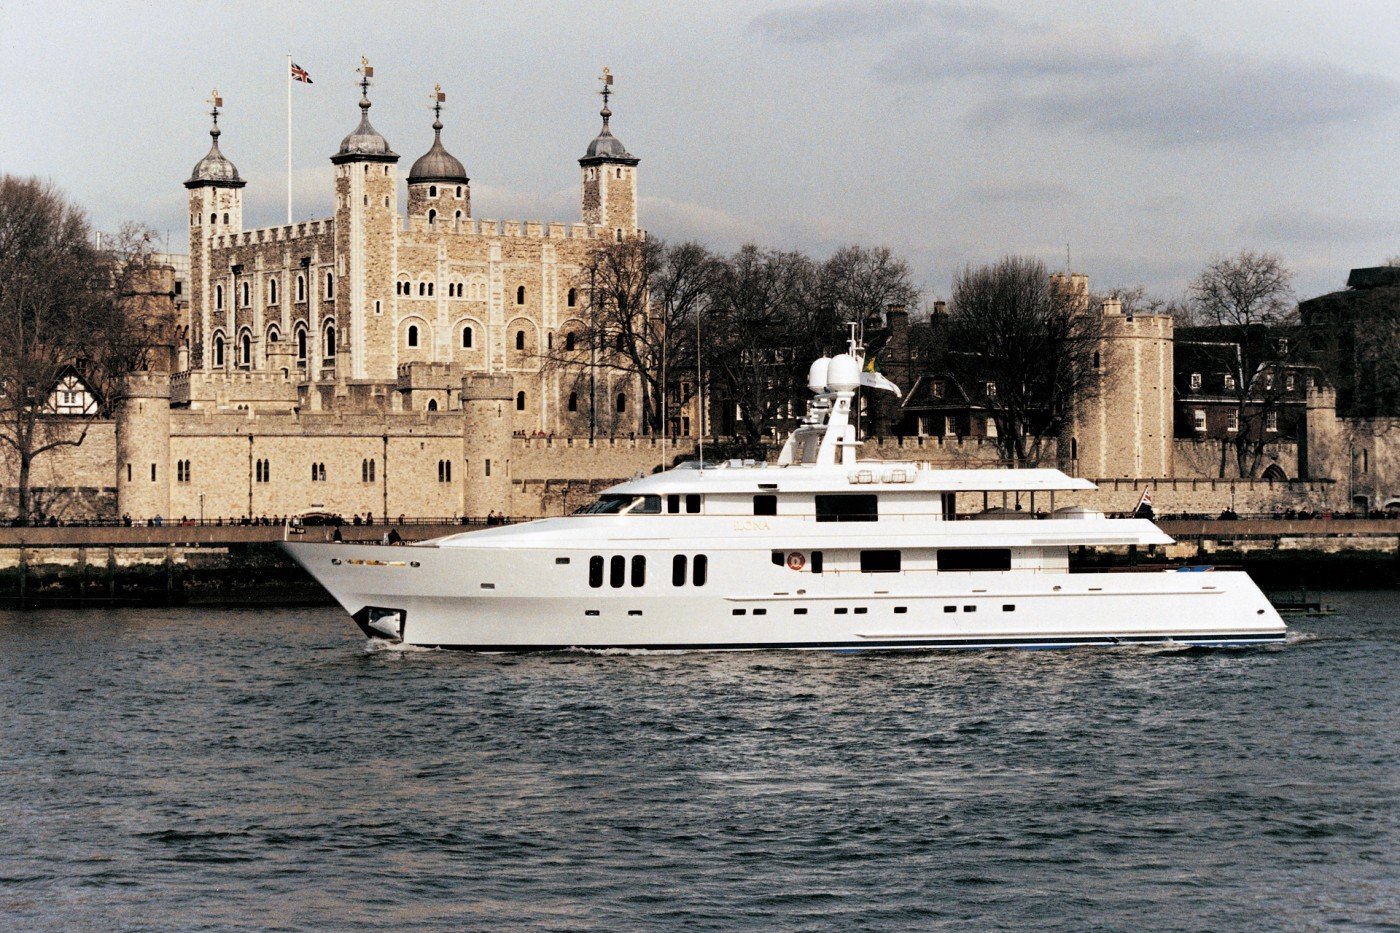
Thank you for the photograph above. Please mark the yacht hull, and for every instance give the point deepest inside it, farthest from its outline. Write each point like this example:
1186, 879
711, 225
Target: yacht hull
537, 599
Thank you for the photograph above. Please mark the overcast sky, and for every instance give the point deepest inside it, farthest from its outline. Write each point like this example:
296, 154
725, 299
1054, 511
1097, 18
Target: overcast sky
1145, 136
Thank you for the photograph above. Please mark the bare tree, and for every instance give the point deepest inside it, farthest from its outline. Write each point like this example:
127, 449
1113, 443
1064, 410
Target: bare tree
641, 298
1247, 301
761, 334
1034, 340
859, 284
63, 303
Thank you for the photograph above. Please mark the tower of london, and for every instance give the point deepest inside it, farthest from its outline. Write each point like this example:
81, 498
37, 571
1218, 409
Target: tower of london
386, 306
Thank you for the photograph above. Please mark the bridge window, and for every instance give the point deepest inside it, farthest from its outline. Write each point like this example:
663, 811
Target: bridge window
692, 503
765, 505
848, 507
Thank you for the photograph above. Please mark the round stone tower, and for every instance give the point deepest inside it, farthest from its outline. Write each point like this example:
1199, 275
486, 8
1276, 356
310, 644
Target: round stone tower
487, 431
143, 446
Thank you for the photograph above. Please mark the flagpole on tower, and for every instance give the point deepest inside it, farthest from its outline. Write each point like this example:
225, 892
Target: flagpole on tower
289, 138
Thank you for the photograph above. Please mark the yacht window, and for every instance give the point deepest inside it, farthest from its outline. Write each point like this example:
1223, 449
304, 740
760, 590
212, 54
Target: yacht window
701, 566
617, 571
842, 610
760, 612
900, 610
678, 570
765, 505
673, 504
800, 611
779, 558
950, 608
848, 507
595, 572
639, 570
646, 505
879, 561
1008, 607
985, 558
816, 562
692, 503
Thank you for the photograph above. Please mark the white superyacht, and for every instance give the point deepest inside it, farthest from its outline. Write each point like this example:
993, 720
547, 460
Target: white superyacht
820, 550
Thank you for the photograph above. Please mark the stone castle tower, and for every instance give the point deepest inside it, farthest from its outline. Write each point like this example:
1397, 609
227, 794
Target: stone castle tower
1125, 428
216, 209
609, 177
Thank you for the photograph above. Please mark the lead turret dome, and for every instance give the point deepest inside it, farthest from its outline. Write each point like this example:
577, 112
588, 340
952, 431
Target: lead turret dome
215, 169
437, 164
365, 144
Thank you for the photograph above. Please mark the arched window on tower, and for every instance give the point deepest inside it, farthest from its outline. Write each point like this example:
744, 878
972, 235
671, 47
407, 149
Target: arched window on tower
330, 285
245, 350
218, 348
520, 340
520, 401
620, 342
432, 217
573, 401
573, 297
432, 193
247, 293
466, 338
413, 335
218, 298
520, 295
621, 403
432, 404
301, 287
272, 291
301, 346
330, 340
459, 194
569, 340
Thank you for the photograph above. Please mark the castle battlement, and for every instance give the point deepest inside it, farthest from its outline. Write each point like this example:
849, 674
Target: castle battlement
284, 233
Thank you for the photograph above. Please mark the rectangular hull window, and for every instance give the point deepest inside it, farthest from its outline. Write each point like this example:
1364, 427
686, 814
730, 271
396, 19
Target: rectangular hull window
765, 505
879, 561
848, 507
595, 572
989, 558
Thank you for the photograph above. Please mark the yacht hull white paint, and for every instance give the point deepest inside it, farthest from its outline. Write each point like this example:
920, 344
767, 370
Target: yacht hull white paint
534, 603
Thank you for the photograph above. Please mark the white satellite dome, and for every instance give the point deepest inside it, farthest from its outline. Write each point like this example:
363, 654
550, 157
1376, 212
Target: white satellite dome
843, 373
816, 376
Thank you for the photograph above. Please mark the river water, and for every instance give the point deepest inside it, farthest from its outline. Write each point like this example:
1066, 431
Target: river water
266, 769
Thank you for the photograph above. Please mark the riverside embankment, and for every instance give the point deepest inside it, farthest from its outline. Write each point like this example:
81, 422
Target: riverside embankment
242, 564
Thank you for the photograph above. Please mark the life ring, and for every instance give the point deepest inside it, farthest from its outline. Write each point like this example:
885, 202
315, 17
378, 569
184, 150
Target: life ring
795, 561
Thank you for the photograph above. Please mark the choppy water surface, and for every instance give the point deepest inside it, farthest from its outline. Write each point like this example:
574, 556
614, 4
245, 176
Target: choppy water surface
263, 769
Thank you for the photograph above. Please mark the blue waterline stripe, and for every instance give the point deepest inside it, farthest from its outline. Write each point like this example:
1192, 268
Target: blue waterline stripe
1216, 640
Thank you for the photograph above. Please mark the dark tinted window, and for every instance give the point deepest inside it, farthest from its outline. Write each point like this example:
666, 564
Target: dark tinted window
673, 504
702, 565
595, 572
639, 570
692, 503
816, 562
989, 558
848, 507
765, 505
778, 558
617, 572
879, 561
678, 570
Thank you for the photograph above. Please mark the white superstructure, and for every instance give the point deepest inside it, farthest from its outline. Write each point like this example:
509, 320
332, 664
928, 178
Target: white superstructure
820, 550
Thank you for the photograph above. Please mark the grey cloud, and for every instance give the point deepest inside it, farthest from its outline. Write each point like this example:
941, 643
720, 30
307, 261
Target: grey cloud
1020, 193
843, 20
1133, 84
1312, 227
1204, 98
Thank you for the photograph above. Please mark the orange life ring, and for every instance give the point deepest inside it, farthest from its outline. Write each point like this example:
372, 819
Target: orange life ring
795, 561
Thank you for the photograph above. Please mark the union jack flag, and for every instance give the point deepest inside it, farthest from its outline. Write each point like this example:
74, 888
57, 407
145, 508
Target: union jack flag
300, 74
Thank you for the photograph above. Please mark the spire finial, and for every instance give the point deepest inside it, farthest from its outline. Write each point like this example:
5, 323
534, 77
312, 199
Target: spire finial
438, 98
215, 102
366, 71
607, 91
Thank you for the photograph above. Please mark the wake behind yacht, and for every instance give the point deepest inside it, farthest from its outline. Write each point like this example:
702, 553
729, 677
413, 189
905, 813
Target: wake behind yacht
820, 550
